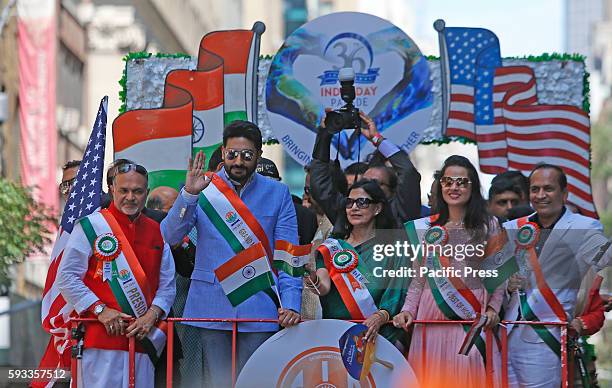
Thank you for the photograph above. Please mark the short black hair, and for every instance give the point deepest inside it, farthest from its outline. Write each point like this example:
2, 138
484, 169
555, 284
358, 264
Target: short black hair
71, 164
502, 185
358, 168
517, 178
215, 159
242, 128
110, 171
562, 176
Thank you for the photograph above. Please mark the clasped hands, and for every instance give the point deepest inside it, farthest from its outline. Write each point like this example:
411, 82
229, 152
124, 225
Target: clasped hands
115, 323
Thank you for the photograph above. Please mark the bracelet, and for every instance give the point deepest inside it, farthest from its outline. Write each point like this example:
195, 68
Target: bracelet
377, 139
385, 314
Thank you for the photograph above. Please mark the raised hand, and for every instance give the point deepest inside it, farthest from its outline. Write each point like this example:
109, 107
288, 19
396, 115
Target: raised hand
370, 131
196, 181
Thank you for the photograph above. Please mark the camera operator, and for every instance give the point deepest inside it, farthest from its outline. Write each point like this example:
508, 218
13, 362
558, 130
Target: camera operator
401, 183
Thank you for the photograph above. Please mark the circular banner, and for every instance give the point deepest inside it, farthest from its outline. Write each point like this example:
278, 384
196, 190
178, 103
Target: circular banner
307, 355
392, 84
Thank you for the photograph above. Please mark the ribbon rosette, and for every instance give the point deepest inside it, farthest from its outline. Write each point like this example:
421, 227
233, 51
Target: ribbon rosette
528, 235
345, 260
106, 249
436, 235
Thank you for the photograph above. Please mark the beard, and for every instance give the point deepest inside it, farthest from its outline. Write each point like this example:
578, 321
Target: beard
240, 174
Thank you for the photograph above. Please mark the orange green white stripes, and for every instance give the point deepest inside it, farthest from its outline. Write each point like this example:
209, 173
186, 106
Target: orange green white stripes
291, 258
245, 274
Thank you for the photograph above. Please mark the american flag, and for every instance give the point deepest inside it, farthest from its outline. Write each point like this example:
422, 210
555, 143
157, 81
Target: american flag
498, 108
83, 200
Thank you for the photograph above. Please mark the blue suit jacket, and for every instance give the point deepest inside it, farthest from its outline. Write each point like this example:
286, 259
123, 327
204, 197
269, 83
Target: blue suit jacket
270, 203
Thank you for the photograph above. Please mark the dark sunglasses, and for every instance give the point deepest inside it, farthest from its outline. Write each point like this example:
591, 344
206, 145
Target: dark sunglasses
362, 203
246, 155
65, 186
125, 168
462, 182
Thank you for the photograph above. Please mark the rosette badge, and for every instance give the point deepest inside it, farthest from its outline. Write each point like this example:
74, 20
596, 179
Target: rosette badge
436, 235
107, 247
528, 235
345, 260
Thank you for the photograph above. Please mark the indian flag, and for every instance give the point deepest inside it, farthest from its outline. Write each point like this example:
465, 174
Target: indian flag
500, 257
291, 258
159, 139
245, 274
224, 84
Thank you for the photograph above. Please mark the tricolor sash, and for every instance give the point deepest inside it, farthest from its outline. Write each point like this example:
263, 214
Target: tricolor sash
540, 303
454, 299
235, 222
127, 280
232, 218
346, 270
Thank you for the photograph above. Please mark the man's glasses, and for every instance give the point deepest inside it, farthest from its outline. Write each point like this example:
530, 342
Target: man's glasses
125, 168
246, 155
65, 186
462, 182
362, 203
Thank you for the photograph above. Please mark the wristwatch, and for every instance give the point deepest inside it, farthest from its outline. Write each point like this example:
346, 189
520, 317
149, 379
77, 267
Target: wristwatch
99, 308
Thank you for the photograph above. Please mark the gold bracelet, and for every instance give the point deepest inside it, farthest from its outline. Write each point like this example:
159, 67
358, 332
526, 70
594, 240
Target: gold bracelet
385, 314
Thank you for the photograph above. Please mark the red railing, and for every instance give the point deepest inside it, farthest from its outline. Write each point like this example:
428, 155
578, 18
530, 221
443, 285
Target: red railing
424, 323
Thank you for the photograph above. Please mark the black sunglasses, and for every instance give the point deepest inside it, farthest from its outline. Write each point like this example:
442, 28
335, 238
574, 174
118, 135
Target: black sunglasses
246, 155
65, 186
362, 203
125, 168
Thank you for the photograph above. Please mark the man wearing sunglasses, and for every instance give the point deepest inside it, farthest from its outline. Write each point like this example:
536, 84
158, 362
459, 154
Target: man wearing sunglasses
117, 268
69, 173
256, 210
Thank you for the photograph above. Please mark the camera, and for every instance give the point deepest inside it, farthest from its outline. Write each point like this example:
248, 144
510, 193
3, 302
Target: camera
347, 117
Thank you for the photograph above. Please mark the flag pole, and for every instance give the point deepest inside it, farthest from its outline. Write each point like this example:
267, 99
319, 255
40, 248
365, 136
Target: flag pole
439, 26
258, 29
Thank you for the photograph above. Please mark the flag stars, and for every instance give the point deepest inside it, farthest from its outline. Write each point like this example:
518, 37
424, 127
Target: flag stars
70, 219
89, 206
98, 145
95, 158
71, 207
93, 182
91, 194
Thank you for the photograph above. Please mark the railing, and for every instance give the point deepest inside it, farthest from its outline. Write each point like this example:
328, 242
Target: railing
235, 321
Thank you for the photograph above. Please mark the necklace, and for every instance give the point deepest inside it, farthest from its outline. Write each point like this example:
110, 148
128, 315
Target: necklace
455, 223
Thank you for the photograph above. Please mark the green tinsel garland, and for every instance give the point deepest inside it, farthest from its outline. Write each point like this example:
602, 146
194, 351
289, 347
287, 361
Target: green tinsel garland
546, 57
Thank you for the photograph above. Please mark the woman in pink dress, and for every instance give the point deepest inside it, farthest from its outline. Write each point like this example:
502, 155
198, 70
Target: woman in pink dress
462, 221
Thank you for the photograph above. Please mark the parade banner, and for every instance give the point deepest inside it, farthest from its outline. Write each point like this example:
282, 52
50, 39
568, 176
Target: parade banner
392, 84
308, 355
36, 26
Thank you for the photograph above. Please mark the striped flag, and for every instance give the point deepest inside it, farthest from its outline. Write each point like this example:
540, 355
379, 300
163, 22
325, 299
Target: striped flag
84, 199
197, 106
158, 139
223, 84
245, 274
472, 334
291, 258
497, 107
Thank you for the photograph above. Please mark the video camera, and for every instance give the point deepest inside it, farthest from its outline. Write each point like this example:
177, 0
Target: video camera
347, 117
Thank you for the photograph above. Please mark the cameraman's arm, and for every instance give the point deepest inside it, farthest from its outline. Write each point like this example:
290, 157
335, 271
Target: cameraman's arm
321, 183
406, 202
